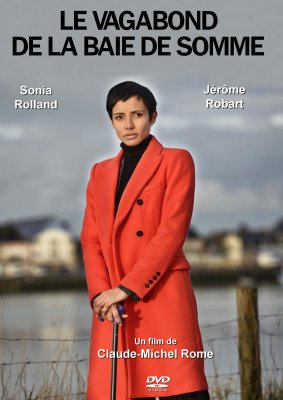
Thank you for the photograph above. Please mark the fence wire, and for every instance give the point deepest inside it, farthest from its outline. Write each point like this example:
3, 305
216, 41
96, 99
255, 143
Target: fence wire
224, 384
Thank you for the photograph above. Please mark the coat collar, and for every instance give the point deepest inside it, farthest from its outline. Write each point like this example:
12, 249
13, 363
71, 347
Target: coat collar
144, 170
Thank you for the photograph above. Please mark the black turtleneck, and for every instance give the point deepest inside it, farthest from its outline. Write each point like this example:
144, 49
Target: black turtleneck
129, 161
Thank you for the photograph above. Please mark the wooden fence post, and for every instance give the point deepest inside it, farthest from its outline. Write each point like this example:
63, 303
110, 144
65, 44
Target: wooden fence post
249, 348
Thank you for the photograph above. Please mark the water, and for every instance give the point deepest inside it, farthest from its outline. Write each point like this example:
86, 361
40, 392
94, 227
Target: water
67, 315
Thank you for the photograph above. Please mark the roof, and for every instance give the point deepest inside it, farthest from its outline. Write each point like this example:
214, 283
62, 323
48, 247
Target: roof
30, 227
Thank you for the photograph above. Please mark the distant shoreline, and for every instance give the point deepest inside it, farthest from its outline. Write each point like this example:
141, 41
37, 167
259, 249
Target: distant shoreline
200, 277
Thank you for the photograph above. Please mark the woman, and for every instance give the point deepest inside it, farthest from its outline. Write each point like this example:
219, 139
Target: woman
139, 207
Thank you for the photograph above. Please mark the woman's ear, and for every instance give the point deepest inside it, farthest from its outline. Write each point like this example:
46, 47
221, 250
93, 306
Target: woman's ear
153, 117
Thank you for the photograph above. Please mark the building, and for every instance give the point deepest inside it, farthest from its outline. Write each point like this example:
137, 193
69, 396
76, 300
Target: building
37, 247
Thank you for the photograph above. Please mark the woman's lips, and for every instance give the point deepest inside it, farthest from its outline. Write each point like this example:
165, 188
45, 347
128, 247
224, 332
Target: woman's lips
131, 136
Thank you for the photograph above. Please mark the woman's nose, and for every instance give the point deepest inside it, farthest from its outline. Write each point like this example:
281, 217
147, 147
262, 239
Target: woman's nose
129, 123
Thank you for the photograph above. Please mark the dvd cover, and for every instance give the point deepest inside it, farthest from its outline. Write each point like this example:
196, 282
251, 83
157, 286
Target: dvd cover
141, 250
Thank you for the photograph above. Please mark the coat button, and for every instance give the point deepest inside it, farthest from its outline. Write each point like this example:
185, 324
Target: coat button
154, 277
147, 285
140, 202
139, 233
150, 281
158, 273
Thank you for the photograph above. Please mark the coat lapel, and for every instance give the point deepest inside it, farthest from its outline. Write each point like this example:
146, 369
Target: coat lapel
143, 172
106, 194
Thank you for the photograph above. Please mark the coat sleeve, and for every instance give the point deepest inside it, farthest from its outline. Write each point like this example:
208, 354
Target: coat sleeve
176, 215
95, 267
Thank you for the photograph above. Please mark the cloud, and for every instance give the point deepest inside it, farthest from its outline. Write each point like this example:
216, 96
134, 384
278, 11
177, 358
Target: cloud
213, 196
171, 122
235, 122
277, 120
11, 132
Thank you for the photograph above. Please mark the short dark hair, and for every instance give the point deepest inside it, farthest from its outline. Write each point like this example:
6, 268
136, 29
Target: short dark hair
124, 90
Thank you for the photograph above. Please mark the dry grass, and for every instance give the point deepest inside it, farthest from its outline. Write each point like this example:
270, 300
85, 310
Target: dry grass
58, 380
274, 390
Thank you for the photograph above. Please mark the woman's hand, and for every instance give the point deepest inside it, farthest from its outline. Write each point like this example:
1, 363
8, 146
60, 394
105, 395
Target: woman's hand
113, 314
103, 302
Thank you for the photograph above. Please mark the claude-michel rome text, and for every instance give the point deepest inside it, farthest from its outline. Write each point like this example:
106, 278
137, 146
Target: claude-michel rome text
150, 353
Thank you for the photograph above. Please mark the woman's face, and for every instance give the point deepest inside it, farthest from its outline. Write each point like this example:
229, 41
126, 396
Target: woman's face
131, 121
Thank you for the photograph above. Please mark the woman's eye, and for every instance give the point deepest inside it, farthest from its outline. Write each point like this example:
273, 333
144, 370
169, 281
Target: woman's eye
138, 115
118, 117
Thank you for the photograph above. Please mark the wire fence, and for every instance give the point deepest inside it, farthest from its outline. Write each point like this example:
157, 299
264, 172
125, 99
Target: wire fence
64, 376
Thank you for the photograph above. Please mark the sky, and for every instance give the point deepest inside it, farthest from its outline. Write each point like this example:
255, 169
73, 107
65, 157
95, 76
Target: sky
46, 156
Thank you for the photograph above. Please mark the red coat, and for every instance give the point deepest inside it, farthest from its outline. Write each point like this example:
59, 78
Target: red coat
141, 248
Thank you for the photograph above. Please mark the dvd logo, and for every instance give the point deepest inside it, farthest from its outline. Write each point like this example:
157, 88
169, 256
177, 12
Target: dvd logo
157, 382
